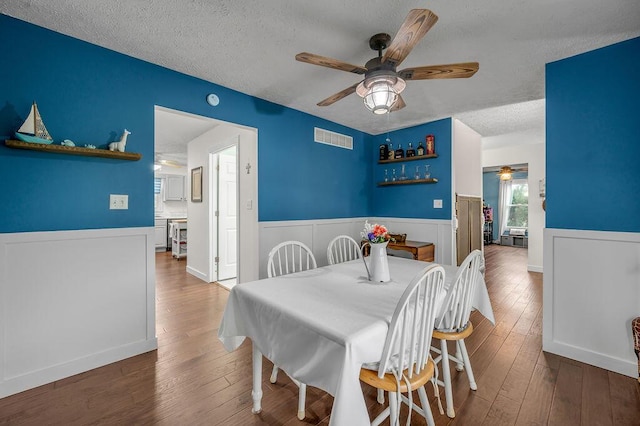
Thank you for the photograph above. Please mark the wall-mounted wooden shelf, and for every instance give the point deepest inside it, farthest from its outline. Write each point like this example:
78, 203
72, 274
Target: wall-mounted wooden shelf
408, 182
73, 150
399, 160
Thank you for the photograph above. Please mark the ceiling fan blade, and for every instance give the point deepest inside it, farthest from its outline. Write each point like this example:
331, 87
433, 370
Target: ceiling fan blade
398, 105
336, 97
170, 163
414, 27
329, 63
461, 70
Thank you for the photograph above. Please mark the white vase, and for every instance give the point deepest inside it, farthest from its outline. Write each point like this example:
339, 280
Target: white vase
378, 268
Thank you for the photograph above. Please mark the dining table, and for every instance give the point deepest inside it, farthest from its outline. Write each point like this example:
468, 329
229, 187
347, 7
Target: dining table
321, 325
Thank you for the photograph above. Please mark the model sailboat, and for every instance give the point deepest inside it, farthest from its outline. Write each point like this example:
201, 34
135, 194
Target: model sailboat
33, 129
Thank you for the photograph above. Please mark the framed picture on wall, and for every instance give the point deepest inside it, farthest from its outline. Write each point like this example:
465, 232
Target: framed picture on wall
196, 185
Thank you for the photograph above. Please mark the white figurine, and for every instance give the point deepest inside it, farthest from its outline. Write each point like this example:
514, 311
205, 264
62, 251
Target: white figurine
119, 145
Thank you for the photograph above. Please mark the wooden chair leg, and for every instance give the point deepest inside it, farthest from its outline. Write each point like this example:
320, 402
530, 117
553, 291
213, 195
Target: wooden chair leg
380, 396
302, 396
467, 364
446, 378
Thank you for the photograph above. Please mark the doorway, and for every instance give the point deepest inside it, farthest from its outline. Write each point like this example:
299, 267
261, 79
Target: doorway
195, 138
225, 218
506, 199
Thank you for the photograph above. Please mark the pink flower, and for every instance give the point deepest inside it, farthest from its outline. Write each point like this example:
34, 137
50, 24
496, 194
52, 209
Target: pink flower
379, 230
375, 233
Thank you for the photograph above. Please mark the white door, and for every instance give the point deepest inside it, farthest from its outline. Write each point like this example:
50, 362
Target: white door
227, 215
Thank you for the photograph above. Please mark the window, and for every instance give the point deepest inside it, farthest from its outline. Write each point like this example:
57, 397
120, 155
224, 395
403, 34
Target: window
157, 194
518, 207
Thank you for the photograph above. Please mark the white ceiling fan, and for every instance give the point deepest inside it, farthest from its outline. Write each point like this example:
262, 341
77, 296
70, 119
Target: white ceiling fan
159, 162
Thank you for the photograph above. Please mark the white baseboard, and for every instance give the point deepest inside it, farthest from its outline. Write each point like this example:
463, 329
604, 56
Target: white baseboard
590, 296
535, 268
76, 366
589, 356
197, 274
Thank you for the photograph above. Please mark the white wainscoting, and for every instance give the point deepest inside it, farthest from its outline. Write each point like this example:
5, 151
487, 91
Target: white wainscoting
591, 295
71, 301
318, 233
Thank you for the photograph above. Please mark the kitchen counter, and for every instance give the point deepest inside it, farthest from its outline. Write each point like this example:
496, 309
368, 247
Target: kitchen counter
167, 219
171, 216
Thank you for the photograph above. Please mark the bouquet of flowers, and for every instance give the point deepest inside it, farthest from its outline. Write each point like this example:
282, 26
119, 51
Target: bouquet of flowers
375, 233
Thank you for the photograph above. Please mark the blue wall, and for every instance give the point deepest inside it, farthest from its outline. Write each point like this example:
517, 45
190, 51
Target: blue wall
490, 196
593, 143
414, 201
89, 95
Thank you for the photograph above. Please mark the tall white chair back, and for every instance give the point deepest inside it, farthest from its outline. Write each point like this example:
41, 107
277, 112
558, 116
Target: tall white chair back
342, 249
457, 307
286, 258
453, 324
405, 364
409, 336
289, 257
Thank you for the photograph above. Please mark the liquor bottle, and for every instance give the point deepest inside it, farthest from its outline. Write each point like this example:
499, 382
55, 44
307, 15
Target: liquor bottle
410, 151
431, 145
390, 152
384, 153
420, 149
399, 152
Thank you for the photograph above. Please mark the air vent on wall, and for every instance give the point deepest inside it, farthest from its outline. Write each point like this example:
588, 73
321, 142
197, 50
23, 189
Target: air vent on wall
332, 138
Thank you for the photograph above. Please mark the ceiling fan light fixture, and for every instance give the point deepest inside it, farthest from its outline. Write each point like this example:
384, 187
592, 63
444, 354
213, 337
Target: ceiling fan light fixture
505, 173
380, 92
380, 99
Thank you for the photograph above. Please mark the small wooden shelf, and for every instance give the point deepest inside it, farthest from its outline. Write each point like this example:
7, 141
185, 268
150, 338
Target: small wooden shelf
408, 182
73, 150
399, 160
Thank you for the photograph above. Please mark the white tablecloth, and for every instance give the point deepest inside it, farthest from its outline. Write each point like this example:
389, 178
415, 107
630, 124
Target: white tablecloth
320, 326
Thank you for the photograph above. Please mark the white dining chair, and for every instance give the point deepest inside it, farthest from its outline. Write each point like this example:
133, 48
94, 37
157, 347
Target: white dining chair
289, 257
342, 249
406, 362
453, 325
286, 258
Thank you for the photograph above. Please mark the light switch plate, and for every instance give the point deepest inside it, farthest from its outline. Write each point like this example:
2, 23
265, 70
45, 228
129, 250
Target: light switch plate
437, 204
118, 202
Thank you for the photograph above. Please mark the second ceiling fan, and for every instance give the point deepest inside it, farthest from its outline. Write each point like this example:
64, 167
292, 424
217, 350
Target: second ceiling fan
382, 84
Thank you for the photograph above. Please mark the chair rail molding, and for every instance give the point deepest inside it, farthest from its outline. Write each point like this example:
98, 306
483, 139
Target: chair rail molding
318, 233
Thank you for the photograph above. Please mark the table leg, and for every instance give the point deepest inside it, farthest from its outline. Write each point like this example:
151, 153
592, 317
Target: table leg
256, 393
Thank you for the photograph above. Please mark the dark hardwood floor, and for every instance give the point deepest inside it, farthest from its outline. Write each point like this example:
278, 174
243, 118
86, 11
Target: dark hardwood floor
192, 380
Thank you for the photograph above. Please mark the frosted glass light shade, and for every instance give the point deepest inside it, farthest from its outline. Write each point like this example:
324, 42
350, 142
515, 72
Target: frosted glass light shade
380, 98
380, 93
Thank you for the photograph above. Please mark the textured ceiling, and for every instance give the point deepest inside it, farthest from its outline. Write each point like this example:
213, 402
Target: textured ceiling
174, 130
250, 45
